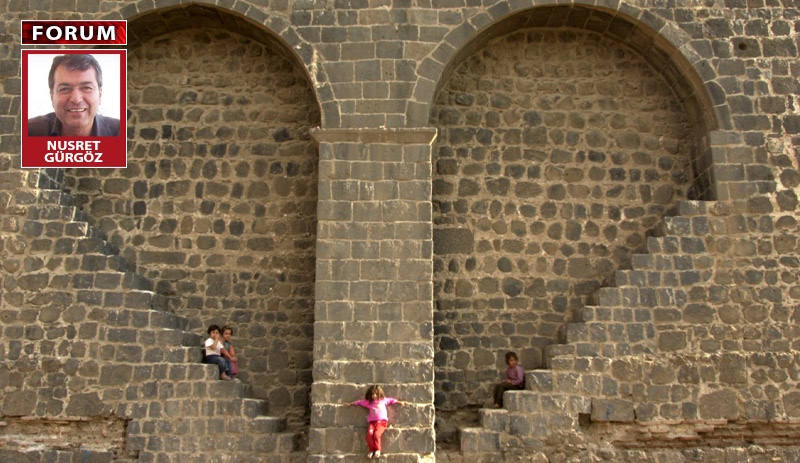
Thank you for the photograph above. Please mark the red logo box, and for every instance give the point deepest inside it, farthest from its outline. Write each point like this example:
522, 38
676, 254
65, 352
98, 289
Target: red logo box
74, 32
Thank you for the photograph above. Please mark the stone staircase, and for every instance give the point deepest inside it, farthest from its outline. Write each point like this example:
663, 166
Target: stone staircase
594, 376
148, 367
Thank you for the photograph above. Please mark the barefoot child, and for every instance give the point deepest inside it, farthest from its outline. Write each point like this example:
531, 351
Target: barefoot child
376, 402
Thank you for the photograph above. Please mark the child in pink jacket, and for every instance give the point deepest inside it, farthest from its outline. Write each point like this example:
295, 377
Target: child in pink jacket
376, 402
513, 380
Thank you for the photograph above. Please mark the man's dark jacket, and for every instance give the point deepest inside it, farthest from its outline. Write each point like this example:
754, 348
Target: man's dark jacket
49, 125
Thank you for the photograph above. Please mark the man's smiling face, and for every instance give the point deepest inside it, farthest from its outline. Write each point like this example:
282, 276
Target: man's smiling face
76, 97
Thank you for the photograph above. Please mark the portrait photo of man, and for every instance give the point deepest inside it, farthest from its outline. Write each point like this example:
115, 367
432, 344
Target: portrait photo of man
76, 93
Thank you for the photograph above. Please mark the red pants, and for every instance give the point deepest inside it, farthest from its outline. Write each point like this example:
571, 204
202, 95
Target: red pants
374, 434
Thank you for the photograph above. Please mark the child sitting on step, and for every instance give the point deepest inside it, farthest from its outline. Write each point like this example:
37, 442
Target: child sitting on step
214, 349
229, 352
514, 379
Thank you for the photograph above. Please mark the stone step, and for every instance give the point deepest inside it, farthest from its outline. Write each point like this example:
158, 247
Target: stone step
598, 333
686, 207
88, 262
57, 455
676, 262
580, 352
539, 380
613, 299
216, 404
58, 197
675, 245
579, 356
234, 414
112, 281
84, 245
173, 354
568, 382
193, 381
139, 317
133, 299
652, 280
479, 440
146, 337
493, 419
59, 229
196, 441
53, 212
387, 456
685, 226
530, 413
617, 314
79, 229
631, 297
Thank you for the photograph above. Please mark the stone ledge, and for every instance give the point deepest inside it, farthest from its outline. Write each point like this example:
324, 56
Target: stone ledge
375, 135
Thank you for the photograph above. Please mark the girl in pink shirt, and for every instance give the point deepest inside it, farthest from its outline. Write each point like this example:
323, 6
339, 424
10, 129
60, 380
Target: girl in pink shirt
376, 402
514, 379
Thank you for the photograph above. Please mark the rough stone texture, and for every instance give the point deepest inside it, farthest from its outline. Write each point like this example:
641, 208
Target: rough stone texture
680, 347
374, 284
558, 151
218, 203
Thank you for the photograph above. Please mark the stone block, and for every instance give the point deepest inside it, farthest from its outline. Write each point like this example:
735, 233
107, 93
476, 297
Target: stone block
791, 404
453, 241
672, 340
612, 410
521, 425
717, 405
478, 440
116, 375
19, 403
539, 381
733, 369
494, 420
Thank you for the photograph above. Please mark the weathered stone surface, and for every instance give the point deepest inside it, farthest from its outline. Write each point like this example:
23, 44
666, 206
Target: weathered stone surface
453, 241
719, 405
612, 410
19, 403
566, 135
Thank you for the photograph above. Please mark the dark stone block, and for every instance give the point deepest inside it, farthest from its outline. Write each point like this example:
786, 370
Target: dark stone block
14, 456
19, 403
453, 241
719, 405
88, 404
612, 410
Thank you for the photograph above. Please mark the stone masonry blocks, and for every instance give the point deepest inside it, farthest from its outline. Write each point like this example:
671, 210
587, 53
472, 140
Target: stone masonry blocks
567, 131
382, 271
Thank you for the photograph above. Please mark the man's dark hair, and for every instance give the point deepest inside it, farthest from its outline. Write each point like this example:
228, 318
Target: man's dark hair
212, 328
75, 63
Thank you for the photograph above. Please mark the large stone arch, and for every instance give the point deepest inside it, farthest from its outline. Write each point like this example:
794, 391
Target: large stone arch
147, 20
528, 224
663, 45
218, 203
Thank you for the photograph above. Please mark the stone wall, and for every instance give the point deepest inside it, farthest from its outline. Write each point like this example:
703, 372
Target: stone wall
218, 203
491, 175
559, 152
374, 292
